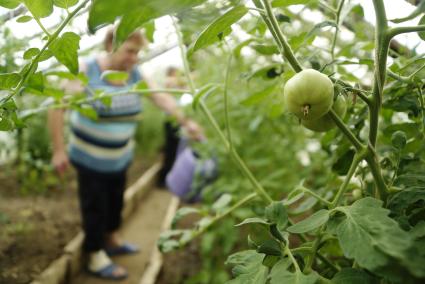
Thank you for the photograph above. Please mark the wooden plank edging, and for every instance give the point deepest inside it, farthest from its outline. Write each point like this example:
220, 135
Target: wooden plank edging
69, 263
155, 261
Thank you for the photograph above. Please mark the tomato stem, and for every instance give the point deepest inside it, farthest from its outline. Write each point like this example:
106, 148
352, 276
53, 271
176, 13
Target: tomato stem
238, 160
305, 109
279, 37
347, 132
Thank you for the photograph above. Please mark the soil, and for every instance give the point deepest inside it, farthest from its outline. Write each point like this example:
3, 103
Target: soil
34, 228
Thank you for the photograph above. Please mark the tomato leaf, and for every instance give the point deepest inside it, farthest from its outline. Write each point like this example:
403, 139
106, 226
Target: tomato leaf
105, 12
248, 268
372, 242
254, 220
280, 274
65, 3
9, 80
310, 223
10, 4
277, 214
353, 276
39, 8
24, 19
219, 28
270, 247
114, 75
65, 49
285, 3
419, 10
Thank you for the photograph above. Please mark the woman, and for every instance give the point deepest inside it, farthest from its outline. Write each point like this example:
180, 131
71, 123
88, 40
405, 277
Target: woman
101, 150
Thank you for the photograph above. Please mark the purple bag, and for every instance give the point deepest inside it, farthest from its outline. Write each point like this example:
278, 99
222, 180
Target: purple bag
190, 174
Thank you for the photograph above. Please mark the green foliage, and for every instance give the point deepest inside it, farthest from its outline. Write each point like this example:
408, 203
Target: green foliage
218, 29
65, 48
39, 8
262, 148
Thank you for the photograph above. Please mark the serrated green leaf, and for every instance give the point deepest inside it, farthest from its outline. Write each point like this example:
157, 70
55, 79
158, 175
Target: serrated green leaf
204, 92
280, 274
9, 80
258, 97
36, 82
285, 3
39, 8
265, 49
248, 268
222, 202
353, 276
270, 247
422, 22
114, 76
24, 19
372, 242
107, 11
320, 26
276, 213
310, 223
403, 205
254, 220
65, 3
217, 29
419, 10
10, 4
30, 53
65, 49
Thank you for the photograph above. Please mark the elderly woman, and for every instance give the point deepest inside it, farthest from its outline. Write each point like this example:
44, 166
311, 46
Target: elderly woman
102, 149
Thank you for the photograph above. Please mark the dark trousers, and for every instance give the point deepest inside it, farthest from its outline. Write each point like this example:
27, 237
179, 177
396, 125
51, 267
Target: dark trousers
101, 202
172, 139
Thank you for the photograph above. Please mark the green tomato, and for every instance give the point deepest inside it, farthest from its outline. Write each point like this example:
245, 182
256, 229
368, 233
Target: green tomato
325, 122
357, 194
309, 94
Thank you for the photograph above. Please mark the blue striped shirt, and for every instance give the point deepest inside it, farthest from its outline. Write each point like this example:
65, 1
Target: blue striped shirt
105, 145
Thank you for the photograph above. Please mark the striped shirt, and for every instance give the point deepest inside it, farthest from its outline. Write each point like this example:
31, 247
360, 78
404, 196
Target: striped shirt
105, 145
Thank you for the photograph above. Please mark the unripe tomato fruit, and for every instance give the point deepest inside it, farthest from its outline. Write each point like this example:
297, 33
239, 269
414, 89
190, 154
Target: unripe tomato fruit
357, 194
309, 94
325, 122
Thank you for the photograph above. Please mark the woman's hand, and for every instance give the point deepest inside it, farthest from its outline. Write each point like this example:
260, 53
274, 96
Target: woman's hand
193, 130
60, 162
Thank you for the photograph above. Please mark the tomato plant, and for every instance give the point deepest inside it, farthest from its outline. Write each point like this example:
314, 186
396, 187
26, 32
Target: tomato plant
289, 186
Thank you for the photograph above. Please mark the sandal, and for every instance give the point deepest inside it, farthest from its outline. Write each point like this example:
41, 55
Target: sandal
108, 273
123, 249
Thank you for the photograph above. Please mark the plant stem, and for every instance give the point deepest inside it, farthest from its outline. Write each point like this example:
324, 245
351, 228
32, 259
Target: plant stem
314, 250
239, 162
34, 61
226, 102
382, 42
358, 157
338, 15
398, 77
287, 51
29, 112
218, 217
401, 30
315, 195
42, 27
184, 58
292, 258
347, 132
375, 168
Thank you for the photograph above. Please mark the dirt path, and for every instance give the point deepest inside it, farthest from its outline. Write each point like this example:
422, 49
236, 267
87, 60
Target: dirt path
142, 229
